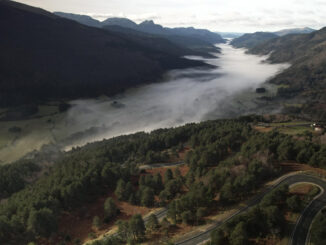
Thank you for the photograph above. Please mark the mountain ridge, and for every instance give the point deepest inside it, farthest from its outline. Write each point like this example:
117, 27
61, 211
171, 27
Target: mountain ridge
197, 39
249, 40
55, 58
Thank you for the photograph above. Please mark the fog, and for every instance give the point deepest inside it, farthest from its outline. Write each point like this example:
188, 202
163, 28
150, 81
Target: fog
190, 95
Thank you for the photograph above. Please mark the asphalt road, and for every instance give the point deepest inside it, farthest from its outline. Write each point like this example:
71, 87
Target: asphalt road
301, 229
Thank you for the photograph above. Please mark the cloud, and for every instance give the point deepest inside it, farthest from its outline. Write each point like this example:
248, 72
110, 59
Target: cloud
218, 15
190, 95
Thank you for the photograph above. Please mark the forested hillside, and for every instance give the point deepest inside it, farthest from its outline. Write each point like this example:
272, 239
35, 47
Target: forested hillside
305, 81
250, 40
52, 58
227, 158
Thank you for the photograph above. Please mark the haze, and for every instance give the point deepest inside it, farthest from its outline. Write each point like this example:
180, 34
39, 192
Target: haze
217, 15
190, 95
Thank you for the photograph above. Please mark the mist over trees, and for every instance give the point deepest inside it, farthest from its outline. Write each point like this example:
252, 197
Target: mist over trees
216, 149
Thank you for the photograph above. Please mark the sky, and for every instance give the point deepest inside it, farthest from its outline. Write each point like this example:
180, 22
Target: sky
216, 15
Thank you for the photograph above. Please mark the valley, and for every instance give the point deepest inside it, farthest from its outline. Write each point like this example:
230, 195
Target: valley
162, 123
183, 96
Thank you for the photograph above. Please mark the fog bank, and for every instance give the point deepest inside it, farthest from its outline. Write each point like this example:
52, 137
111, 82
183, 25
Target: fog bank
190, 95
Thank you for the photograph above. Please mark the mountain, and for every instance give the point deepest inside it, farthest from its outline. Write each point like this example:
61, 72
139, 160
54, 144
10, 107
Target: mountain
124, 22
150, 27
52, 57
304, 30
305, 80
198, 46
167, 45
83, 19
202, 34
197, 39
250, 40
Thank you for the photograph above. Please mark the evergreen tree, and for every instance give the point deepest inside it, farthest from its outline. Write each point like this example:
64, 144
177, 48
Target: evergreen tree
190, 179
120, 189
42, 222
177, 173
152, 223
128, 191
158, 183
141, 180
294, 203
168, 175
147, 198
110, 209
239, 235
217, 237
187, 217
137, 226
123, 229
97, 222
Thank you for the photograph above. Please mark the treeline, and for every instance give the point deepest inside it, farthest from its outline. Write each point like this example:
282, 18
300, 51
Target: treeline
143, 193
228, 161
135, 230
260, 221
33, 212
280, 147
318, 236
266, 219
83, 174
13, 177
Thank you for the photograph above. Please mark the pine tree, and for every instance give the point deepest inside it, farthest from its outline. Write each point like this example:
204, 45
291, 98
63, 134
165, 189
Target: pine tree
42, 222
97, 222
120, 189
152, 223
158, 183
168, 175
137, 226
147, 198
110, 209
239, 235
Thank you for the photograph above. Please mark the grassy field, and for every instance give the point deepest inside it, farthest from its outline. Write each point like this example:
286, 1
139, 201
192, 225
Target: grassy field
291, 123
295, 130
46, 126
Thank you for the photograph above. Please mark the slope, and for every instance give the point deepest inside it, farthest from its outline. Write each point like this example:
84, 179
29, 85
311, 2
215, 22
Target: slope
196, 39
306, 78
53, 58
250, 40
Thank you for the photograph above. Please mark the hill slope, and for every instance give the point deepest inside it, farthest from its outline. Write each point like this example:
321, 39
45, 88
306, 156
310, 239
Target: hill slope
197, 39
250, 40
83, 19
304, 30
52, 57
306, 78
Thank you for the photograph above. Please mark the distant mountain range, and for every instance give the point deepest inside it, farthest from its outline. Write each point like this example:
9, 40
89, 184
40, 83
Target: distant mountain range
44, 56
196, 39
250, 40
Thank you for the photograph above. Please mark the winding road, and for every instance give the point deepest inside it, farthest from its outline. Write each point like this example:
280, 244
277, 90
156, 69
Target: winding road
301, 230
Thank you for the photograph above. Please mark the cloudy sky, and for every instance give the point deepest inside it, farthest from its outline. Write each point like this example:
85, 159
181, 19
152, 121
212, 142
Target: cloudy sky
217, 15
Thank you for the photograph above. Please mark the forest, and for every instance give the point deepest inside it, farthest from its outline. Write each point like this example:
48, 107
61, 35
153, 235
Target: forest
228, 160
